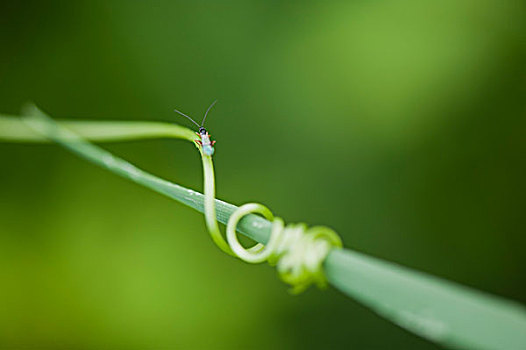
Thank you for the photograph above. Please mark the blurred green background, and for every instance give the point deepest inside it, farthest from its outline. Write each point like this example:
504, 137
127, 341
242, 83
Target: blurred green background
401, 124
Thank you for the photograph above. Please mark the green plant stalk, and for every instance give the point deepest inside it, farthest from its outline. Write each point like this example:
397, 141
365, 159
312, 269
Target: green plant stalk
440, 311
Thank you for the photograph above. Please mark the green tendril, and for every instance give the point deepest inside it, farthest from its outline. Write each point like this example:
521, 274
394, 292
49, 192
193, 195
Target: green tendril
297, 252
210, 208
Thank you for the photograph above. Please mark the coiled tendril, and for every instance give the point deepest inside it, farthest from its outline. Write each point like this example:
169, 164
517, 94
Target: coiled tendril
297, 251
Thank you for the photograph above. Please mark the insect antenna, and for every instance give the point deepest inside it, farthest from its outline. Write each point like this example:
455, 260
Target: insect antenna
204, 118
184, 115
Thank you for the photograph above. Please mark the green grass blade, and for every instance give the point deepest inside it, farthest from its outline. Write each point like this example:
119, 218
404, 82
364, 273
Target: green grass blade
441, 311
438, 310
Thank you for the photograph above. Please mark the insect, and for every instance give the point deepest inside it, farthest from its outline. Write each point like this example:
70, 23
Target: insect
204, 137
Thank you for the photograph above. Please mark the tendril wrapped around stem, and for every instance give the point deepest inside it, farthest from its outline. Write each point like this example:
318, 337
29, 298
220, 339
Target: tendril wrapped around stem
297, 251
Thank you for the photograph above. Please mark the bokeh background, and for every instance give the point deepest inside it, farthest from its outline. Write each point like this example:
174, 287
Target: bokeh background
401, 124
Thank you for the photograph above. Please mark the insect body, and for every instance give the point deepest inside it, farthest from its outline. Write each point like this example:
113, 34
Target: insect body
204, 137
206, 144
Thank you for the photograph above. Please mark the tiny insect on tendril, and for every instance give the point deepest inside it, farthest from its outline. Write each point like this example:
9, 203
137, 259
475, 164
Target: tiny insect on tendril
207, 145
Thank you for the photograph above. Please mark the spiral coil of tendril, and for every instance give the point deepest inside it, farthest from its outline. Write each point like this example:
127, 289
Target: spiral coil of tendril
298, 252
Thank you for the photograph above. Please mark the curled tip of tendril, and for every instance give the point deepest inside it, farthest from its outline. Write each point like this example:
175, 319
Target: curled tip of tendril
297, 252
